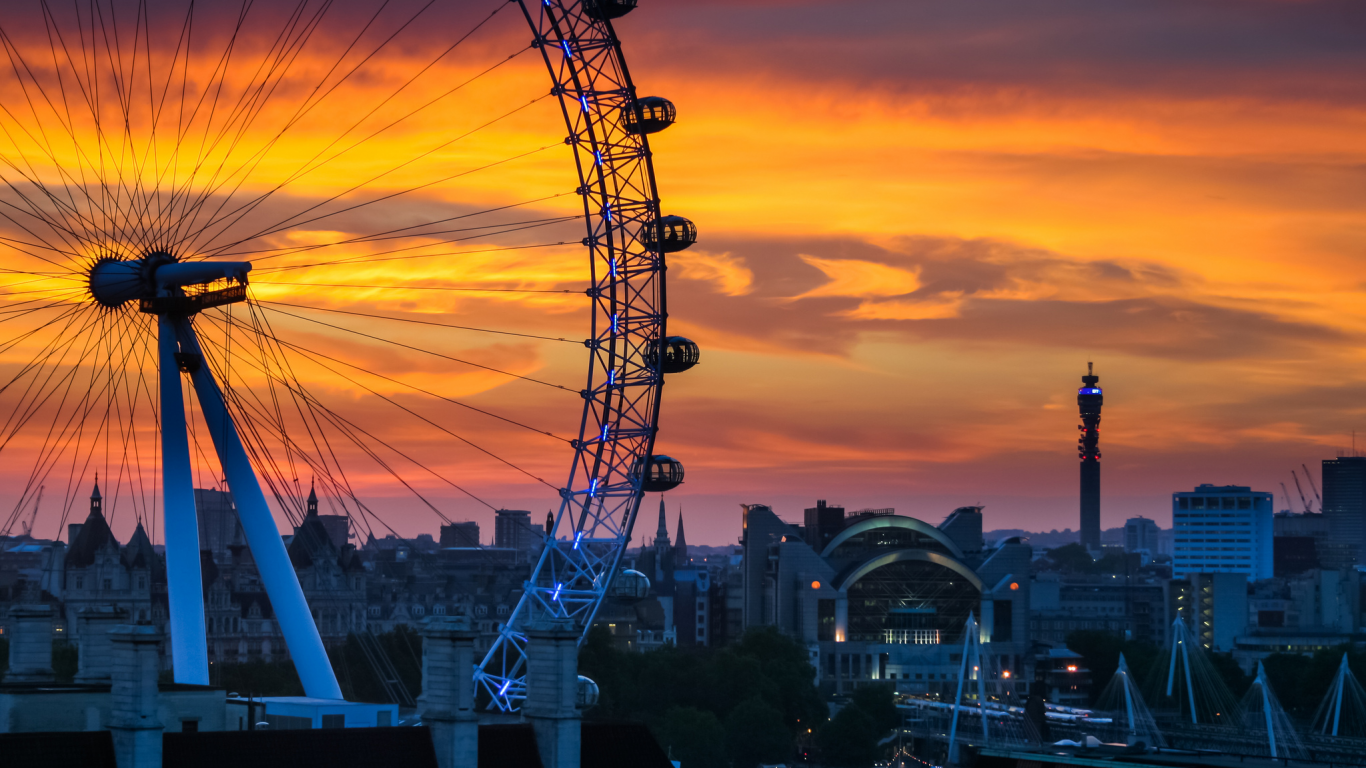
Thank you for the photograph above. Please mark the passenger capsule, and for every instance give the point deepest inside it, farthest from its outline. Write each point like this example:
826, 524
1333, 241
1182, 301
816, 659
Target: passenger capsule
587, 693
669, 234
680, 354
658, 473
649, 114
630, 585
608, 9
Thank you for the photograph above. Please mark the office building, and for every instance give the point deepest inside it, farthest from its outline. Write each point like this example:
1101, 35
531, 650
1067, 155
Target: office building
1344, 507
1140, 535
1223, 529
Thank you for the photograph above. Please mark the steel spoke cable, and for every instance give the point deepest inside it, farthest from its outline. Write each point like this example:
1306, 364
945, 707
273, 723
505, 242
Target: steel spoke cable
41, 140
349, 429
309, 166
505, 227
426, 351
419, 287
253, 98
417, 322
311, 424
313, 353
290, 222
387, 254
292, 249
65, 384
367, 260
500, 229
290, 381
309, 105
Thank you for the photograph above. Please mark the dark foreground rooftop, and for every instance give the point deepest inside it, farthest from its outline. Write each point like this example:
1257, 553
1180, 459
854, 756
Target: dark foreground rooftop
604, 745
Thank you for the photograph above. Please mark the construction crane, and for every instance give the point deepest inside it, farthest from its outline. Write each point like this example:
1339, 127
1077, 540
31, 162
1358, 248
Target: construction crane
1304, 501
1286, 494
1312, 487
28, 527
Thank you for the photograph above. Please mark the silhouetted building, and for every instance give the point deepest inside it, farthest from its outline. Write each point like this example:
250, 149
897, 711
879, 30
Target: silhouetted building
1089, 401
1344, 505
821, 523
512, 529
465, 534
964, 527
1140, 535
218, 524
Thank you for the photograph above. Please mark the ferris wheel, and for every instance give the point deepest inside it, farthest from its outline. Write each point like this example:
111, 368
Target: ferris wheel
335, 243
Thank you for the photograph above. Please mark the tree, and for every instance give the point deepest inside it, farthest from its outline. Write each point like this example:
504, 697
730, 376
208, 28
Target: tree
64, 661
1233, 675
1071, 557
693, 737
850, 739
755, 734
878, 701
1100, 651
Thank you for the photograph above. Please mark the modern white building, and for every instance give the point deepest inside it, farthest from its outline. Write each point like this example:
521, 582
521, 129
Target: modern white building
1222, 529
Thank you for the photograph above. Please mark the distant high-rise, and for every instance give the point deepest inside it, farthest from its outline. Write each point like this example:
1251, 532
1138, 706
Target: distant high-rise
1223, 529
1344, 507
512, 529
1089, 400
1140, 535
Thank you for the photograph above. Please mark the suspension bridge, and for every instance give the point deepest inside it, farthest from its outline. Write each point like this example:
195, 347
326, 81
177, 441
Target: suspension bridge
1183, 714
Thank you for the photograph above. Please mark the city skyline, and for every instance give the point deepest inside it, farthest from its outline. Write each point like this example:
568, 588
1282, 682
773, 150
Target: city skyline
894, 295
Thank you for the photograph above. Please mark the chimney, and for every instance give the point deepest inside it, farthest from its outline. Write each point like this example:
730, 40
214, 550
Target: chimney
447, 701
30, 650
552, 691
93, 626
133, 720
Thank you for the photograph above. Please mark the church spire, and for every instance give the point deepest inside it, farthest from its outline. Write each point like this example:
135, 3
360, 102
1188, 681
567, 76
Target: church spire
662, 533
96, 500
681, 544
312, 501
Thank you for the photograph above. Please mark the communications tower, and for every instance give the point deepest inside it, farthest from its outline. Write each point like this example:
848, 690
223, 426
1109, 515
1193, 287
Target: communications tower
1089, 400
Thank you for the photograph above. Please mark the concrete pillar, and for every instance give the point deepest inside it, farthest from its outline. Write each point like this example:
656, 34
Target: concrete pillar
30, 645
133, 719
446, 705
842, 616
93, 626
552, 689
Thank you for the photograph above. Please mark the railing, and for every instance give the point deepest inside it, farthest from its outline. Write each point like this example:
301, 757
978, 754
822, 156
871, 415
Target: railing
911, 636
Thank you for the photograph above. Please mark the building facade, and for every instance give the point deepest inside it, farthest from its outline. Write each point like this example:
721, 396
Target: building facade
1344, 507
1141, 535
887, 597
1223, 529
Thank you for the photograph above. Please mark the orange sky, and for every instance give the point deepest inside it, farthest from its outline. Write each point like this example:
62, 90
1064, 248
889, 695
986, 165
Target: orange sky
918, 223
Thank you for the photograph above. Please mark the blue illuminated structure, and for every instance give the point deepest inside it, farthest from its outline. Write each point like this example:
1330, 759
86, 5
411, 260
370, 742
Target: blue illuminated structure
1089, 400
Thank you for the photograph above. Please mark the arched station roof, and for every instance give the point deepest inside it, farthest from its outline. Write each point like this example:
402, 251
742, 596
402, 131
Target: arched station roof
856, 572
893, 521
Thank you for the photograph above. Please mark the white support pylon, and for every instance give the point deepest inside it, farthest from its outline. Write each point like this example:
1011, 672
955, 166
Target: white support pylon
267, 549
189, 642
963, 666
1266, 708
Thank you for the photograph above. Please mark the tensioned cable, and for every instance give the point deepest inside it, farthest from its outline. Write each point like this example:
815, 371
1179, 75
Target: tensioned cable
433, 424
346, 426
384, 234
419, 287
427, 351
305, 351
360, 260
419, 322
